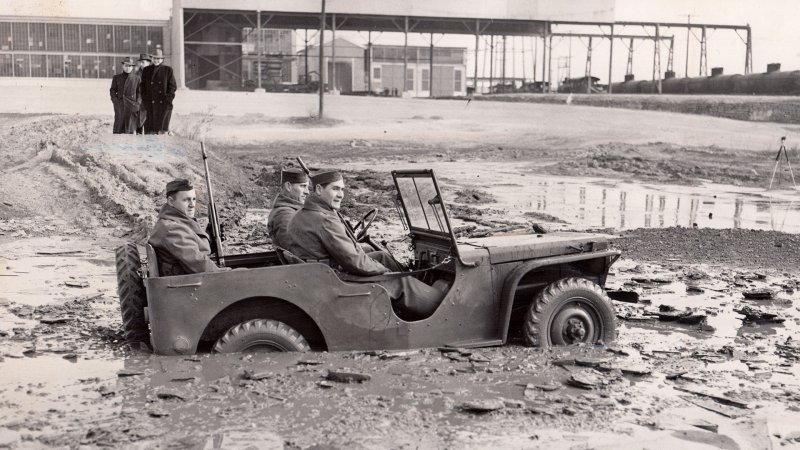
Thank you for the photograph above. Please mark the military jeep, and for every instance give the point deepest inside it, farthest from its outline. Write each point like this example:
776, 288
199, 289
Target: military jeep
547, 285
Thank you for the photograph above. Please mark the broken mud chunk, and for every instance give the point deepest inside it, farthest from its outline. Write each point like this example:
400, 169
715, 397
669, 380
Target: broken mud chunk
167, 395
692, 319
157, 413
249, 374
54, 320
705, 425
308, 362
325, 384
585, 380
70, 357
755, 315
590, 362
77, 284
758, 294
482, 406
541, 387
623, 296
347, 377
692, 289
129, 373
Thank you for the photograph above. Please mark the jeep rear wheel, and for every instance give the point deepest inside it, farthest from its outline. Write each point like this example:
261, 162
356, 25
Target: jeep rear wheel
261, 335
570, 311
132, 296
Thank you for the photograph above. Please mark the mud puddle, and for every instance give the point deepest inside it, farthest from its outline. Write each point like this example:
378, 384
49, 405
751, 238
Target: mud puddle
602, 203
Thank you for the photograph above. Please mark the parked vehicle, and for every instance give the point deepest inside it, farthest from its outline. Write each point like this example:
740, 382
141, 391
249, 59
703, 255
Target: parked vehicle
550, 284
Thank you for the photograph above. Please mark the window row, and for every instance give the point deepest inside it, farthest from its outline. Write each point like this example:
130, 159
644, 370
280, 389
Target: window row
59, 66
84, 38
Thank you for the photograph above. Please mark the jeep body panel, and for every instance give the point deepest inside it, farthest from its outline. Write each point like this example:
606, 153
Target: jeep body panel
351, 316
506, 248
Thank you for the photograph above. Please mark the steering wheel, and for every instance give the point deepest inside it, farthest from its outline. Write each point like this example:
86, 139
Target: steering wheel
365, 223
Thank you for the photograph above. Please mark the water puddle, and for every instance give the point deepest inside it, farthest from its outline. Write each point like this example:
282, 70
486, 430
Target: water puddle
601, 203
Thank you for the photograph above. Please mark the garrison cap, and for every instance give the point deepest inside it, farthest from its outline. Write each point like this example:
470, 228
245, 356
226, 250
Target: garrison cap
293, 176
178, 185
145, 57
326, 177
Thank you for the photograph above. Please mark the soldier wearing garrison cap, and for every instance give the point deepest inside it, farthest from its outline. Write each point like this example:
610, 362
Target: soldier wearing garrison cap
181, 246
294, 190
318, 234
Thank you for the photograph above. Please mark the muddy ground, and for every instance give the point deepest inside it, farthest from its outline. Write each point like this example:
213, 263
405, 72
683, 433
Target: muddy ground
706, 355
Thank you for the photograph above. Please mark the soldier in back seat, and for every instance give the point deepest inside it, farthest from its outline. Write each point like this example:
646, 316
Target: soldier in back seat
181, 246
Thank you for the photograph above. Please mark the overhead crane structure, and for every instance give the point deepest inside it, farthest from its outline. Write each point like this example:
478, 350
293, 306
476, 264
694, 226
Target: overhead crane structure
195, 15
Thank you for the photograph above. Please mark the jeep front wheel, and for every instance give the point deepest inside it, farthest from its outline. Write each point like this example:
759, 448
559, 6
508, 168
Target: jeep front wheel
261, 335
132, 296
570, 311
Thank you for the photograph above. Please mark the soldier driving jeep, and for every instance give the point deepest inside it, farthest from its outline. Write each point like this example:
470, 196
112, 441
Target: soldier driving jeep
182, 246
318, 234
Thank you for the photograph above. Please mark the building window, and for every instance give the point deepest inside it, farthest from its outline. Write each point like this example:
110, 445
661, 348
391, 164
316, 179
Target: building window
457, 80
122, 39
55, 66
376, 73
409, 79
19, 33
38, 66
72, 40
89, 38
426, 79
5, 36
55, 38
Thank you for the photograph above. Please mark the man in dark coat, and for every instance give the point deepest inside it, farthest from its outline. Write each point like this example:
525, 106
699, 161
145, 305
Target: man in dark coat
158, 92
144, 60
318, 234
181, 246
294, 190
127, 99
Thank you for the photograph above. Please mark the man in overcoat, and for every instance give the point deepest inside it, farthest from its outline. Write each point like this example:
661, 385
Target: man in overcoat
127, 99
294, 190
158, 92
181, 245
144, 60
318, 234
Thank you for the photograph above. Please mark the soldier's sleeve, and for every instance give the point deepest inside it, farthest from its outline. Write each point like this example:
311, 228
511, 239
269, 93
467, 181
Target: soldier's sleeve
172, 86
178, 241
279, 225
352, 259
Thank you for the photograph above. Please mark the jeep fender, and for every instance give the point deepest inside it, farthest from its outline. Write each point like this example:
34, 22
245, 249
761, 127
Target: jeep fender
513, 278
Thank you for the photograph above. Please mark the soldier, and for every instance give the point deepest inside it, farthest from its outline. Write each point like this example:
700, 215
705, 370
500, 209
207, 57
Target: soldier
127, 98
144, 60
158, 91
181, 245
318, 234
294, 190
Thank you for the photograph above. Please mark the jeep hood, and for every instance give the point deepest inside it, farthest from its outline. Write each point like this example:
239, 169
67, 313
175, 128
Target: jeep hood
508, 248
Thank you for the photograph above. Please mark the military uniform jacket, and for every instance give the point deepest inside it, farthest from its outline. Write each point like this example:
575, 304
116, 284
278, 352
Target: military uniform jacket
283, 209
158, 85
317, 233
181, 245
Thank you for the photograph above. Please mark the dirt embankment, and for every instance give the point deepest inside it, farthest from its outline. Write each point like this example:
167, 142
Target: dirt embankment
756, 109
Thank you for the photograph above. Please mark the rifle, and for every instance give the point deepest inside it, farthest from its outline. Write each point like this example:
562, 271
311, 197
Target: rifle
212, 210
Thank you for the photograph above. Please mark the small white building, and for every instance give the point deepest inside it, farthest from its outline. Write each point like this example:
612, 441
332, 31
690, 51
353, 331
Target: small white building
381, 72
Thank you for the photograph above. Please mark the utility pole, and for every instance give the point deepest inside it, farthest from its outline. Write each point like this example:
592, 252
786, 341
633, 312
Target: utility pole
306, 57
321, 58
610, 56
369, 62
748, 55
688, 32
430, 74
589, 67
258, 47
503, 72
703, 54
491, 62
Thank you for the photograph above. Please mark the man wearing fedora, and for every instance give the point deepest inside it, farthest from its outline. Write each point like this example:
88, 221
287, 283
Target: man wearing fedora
294, 190
144, 60
158, 92
126, 97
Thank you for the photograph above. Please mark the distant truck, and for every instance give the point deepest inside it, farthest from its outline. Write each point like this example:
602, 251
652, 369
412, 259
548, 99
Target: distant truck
549, 284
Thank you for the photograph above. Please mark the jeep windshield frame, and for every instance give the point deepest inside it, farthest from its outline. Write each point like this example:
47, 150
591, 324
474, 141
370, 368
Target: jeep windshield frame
425, 212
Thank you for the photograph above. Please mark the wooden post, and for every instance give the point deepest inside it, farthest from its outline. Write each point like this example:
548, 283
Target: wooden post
610, 57
321, 59
475, 74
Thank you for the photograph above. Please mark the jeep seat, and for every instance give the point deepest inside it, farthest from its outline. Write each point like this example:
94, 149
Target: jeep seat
152, 261
286, 257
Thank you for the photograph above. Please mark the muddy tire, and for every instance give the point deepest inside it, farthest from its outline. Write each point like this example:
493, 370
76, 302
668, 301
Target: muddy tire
570, 311
261, 335
132, 296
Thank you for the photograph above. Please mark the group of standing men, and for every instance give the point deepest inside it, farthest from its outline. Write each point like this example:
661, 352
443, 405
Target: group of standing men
142, 95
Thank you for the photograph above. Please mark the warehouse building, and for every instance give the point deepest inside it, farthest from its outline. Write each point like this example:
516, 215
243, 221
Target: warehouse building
251, 44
